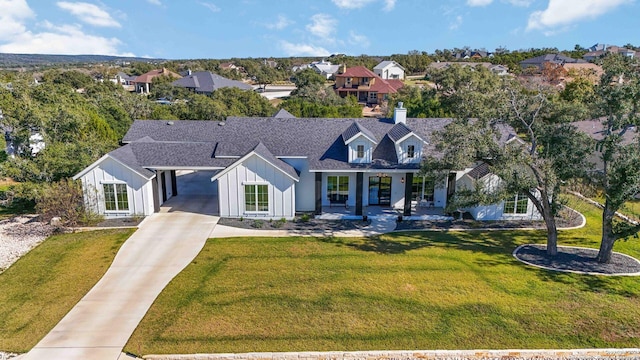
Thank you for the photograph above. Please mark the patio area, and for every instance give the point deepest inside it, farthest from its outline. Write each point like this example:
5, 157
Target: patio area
377, 212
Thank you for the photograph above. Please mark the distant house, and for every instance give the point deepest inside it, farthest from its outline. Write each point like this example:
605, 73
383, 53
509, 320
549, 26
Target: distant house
496, 69
206, 82
270, 63
365, 85
228, 66
471, 54
325, 68
389, 69
143, 82
539, 62
600, 50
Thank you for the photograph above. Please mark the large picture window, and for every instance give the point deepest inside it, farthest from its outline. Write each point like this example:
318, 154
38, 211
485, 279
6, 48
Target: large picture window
256, 198
422, 189
115, 197
338, 188
517, 204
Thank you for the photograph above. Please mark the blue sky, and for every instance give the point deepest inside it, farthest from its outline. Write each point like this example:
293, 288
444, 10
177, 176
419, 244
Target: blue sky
188, 29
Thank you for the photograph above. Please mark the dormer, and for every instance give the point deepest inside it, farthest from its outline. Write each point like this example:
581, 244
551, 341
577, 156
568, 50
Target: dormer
409, 146
360, 143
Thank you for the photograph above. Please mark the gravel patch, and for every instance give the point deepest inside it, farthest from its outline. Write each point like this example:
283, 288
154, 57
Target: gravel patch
297, 224
575, 259
6, 355
18, 236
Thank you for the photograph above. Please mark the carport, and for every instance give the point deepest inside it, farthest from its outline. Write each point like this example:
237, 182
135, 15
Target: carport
186, 190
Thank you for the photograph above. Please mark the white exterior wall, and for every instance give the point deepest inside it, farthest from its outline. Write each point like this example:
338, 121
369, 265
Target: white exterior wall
390, 72
254, 170
495, 211
401, 150
109, 171
353, 151
305, 188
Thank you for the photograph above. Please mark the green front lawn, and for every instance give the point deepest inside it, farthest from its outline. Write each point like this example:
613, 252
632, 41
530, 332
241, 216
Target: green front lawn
41, 287
426, 290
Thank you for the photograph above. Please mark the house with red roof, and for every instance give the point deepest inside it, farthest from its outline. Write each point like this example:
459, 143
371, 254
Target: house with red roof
365, 85
143, 82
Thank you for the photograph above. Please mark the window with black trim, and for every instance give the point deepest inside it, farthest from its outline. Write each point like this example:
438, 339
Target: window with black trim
338, 188
411, 151
360, 151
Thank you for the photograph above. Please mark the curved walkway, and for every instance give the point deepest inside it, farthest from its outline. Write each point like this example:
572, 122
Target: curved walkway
100, 324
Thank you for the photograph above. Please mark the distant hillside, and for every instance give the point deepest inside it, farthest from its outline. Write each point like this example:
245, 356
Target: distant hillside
36, 60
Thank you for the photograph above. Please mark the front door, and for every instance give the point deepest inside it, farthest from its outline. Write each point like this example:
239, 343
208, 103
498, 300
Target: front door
380, 191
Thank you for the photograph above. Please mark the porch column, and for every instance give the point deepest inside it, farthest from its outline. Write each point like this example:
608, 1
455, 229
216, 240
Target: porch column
359, 187
154, 188
174, 183
407, 194
318, 193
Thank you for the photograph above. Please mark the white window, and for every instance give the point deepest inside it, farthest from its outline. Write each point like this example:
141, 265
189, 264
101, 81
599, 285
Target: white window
517, 204
115, 197
360, 151
256, 198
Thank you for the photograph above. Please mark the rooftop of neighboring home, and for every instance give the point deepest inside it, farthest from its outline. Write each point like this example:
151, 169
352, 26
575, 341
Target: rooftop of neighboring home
385, 63
549, 58
148, 76
382, 86
160, 143
208, 82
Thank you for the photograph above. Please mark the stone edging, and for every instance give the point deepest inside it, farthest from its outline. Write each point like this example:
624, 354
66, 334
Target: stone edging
515, 252
593, 202
569, 354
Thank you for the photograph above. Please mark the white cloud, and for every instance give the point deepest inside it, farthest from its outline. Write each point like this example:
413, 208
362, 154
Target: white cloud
12, 16
89, 13
303, 49
455, 24
280, 24
65, 39
211, 6
322, 26
359, 4
561, 13
154, 2
389, 5
479, 2
359, 40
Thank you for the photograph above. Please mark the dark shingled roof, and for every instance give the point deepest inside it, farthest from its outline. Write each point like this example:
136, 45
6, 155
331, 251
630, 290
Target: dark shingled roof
398, 131
208, 82
283, 114
262, 150
354, 129
479, 171
209, 143
126, 156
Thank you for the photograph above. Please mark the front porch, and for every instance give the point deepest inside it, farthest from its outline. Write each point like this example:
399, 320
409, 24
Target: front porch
428, 213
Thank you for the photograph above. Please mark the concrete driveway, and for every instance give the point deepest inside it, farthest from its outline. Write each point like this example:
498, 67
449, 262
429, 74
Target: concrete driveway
99, 326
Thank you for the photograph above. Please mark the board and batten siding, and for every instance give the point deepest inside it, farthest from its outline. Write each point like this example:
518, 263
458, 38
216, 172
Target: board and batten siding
109, 171
254, 170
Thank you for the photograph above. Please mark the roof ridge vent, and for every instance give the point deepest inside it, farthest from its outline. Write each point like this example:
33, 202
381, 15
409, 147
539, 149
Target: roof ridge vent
221, 123
169, 122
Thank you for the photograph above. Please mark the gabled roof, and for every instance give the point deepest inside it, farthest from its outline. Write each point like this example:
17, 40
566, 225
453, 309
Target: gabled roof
358, 72
283, 114
208, 82
264, 153
148, 77
550, 58
479, 171
126, 157
355, 130
399, 132
386, 63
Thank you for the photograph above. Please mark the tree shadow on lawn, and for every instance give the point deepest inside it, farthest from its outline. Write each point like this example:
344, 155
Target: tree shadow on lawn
618, 285
495, 243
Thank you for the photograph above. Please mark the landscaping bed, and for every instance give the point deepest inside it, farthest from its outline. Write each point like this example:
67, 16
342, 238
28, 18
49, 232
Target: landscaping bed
300, 223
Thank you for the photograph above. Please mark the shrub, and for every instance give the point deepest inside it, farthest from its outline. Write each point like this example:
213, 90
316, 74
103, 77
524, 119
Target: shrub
63, 199
257, 224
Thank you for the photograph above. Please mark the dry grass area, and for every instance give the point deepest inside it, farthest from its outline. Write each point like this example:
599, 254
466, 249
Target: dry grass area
427, 290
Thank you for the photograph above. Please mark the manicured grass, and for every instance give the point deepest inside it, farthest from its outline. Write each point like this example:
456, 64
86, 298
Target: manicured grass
426, 290
41, 287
